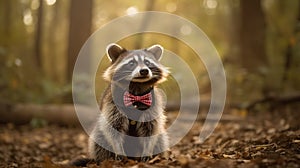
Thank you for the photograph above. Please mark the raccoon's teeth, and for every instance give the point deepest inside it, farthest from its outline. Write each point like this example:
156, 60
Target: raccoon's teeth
140, 79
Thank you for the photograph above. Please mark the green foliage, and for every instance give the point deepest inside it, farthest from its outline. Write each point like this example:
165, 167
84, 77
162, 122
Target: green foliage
38, 123
54, 93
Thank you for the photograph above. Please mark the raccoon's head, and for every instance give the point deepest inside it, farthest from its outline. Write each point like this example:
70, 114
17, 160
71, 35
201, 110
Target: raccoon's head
140, 66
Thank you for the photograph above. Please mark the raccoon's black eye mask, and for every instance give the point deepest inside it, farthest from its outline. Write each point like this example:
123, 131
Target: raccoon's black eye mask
114, 51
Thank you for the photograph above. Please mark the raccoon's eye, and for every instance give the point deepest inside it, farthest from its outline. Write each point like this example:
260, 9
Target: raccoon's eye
131, 63
147, 62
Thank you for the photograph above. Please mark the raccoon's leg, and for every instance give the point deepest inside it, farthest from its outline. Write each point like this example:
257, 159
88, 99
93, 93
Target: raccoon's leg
154, 145
114, 133
148, 147
162, 143
96, 143
146, 130
117, 142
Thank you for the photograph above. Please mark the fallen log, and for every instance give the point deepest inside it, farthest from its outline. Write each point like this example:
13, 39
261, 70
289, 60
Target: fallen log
274, 101
59, 114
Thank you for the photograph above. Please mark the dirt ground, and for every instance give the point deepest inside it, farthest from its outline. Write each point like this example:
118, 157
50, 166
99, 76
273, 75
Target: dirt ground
258, 139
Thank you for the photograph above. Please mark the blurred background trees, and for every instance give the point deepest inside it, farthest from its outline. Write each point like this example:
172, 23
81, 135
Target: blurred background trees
258, 41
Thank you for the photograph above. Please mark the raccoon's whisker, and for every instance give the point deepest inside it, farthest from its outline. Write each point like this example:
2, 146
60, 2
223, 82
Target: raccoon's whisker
119, 79
122, 73
156, 70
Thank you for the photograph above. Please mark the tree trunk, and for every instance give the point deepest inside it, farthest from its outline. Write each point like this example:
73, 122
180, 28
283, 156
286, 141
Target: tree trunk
55, 38
7, 20
281, 17
149, 7
38, 37
252, 35
79, 31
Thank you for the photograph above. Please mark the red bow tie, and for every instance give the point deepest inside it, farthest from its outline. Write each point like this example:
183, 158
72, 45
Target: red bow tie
129, 99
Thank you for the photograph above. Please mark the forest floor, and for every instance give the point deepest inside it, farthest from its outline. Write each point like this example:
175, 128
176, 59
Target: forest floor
260, 139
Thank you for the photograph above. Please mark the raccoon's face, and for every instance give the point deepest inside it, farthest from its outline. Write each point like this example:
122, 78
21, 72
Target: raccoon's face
136, 65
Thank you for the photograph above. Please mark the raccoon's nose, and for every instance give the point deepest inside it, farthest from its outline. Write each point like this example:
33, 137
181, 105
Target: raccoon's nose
144, 72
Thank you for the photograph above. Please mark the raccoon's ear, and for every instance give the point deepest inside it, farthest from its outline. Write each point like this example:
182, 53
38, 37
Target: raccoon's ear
156, 50
113, 51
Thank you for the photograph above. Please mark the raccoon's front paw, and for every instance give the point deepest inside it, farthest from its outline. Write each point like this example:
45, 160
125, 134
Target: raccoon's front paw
146, 158
119, 157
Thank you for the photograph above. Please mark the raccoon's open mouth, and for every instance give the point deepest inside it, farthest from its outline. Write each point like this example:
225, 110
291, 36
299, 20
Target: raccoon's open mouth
141, 79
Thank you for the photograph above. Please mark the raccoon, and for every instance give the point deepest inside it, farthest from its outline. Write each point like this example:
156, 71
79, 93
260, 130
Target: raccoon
132, 108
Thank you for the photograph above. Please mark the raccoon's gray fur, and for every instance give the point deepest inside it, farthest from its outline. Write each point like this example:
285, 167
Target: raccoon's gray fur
118, 127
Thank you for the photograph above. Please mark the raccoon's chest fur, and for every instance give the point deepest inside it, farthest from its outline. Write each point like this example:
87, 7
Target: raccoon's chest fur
115, 116
136, 120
